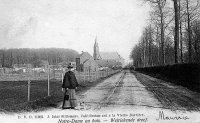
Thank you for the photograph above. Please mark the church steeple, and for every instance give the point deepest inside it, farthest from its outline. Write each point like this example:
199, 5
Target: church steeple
96, 53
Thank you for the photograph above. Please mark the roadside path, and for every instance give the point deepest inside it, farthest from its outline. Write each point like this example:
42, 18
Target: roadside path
131, 91
121, 91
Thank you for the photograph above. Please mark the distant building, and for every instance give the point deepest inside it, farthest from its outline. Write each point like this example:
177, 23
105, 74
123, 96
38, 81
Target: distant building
1, 71
85, 62
100, 60
111, 57
22, 68
107, 57
90, 65
108, 64
5, 70
42, 66
96, 54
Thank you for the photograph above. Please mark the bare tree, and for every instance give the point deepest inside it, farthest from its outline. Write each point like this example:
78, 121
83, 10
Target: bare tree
176, 36
181, 34
150, 45
195, 29
189, 32
162, 42
159, 11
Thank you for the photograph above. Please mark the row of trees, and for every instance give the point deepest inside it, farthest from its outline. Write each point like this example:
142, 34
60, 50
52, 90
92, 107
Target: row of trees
9, 57
172, 34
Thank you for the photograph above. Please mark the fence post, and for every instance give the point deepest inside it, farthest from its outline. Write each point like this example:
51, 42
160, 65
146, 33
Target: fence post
63, 71
29, 84
62, 78
48, 82
79, 76
95, 75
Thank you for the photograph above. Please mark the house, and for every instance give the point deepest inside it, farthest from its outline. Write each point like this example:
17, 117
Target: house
5, 70
90, 65
85, 63
108, 64
22, 68
1, 71
111, 57
43, 66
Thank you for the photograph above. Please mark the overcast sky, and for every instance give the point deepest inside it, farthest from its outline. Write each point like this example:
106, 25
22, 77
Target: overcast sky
73, 24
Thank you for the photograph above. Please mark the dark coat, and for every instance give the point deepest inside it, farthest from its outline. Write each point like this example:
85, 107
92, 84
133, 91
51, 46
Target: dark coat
70, 80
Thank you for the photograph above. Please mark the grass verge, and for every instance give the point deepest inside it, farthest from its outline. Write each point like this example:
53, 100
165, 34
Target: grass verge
170, 95
13, 98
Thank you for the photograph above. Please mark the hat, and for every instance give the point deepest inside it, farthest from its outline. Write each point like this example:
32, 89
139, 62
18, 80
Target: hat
70, 65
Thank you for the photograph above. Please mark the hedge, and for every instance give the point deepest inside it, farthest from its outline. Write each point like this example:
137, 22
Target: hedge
187, 75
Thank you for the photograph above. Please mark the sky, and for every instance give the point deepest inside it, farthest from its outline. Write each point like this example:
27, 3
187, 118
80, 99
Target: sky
74, 24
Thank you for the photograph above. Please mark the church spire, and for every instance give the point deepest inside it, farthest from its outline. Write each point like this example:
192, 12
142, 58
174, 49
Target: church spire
96, 53
96, 43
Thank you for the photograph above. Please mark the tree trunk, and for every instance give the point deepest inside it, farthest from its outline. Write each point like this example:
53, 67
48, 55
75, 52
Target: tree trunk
144, 54
181, 42
141, 52
181, 34
146, 45
150, 50
176, 36
158, 49
189, 33
162, 37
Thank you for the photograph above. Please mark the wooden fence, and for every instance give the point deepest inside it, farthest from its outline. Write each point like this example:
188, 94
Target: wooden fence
81, 76
93, 76
47, 77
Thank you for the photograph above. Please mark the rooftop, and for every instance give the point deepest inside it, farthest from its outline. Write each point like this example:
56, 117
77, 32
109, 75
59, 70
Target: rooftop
110, 55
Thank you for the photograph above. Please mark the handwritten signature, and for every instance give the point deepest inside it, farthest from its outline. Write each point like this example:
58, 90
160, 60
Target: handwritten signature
163, 116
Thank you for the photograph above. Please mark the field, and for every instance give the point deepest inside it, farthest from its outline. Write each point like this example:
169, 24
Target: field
14, 94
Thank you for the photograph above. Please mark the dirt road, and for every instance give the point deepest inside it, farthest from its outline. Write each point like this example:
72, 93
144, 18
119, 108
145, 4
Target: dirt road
126, 97
128, 90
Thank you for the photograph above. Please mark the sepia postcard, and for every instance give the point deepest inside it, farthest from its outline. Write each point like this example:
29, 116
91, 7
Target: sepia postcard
99, 61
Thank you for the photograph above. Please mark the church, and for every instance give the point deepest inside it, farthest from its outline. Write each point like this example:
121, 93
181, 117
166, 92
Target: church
108, 59
100, 60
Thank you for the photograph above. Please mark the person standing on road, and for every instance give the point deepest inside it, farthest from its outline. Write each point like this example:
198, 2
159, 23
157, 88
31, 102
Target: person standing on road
69, 85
